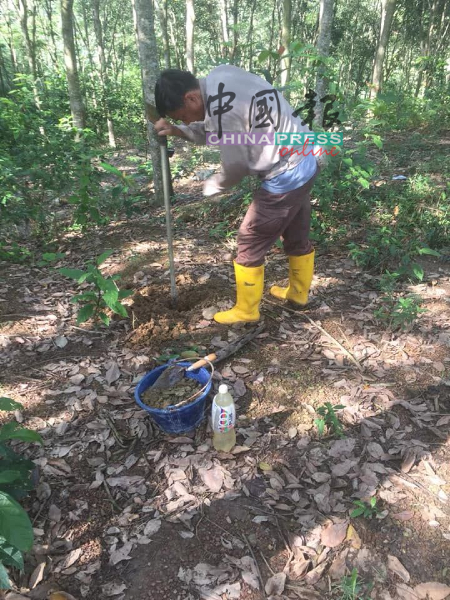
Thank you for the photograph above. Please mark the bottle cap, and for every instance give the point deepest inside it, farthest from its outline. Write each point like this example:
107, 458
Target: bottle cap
223, 388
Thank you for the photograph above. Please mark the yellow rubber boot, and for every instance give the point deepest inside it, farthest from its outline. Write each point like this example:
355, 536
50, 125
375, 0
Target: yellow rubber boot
301, 270
249, 291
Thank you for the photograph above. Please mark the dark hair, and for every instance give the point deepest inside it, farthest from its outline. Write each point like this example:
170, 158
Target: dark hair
170, 89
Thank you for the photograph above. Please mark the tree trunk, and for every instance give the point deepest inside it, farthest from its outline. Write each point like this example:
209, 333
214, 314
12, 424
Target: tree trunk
250, 37
104, 79
224, 23
190, 19
148, 59
73, 82
387, 13
235, 31
173, 39
12, 50
323, 49
30, 45
432, 44
53, 51
286, 42
272, 30
350, 63
161, 7
84, 34
5, 84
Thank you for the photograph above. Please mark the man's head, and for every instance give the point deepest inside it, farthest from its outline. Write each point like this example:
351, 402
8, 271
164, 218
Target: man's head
178, 95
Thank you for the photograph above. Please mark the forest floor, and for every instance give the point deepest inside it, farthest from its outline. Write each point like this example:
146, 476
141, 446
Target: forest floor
123, 511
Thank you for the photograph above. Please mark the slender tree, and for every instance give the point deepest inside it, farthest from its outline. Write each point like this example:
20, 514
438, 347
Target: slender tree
235, 47
224, 24
387, 12
286, 42
173, 38
161, 7
104, 77
29, 37
73, 83
148, 59
272, 27
5, 84
323, 49
53, 49
190, 20
250, 36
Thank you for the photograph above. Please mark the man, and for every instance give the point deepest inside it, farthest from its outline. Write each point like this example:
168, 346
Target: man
230, 99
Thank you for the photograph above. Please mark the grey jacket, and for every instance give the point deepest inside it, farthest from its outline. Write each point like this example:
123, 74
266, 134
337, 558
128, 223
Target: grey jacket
249, 104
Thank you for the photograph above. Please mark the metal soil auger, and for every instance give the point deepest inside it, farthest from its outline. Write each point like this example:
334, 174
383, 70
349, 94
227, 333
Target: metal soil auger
166, 191
188, 413
153, 116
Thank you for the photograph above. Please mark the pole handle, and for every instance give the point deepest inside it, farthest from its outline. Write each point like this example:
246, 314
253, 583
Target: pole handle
202, 362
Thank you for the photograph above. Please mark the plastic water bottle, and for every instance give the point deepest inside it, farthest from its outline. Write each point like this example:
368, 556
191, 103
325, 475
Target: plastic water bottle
223, 420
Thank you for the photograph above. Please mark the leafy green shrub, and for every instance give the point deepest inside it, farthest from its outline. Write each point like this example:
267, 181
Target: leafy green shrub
399, 312
16, 530
13, 252
119, 198
343, 192
48, 258
365, 509
328, 418
103, 294
396, 111
391, 246
39, 158
86, 197
352, 588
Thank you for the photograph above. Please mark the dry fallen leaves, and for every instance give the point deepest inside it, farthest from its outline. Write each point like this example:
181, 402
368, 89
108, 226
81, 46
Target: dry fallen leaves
339, 566
334, 534
120, 554
212, 478
113, 373
37, 575
275, 584
404, 592
396, 567
113, 589
152, 527
432, 590
353, 537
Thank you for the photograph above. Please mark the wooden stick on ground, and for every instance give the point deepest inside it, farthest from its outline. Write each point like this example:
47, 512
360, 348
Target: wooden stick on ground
263, 591
322, 330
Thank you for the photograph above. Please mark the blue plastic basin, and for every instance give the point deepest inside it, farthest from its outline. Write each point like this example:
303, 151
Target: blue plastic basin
171, 419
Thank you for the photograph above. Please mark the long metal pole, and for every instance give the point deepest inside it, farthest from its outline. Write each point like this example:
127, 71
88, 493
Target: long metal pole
166, 191
153, 116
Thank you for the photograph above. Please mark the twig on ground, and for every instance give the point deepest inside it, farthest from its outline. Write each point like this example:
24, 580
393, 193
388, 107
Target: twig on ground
38, 514
287, 546
177, 511
256, 564
18, 315
322, 330
99, 333
202, 516
113, 502
267, 564
116, 434
411, 480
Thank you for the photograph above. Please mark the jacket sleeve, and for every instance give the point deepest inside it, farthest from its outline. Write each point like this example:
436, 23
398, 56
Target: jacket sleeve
234, 161
195, 132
